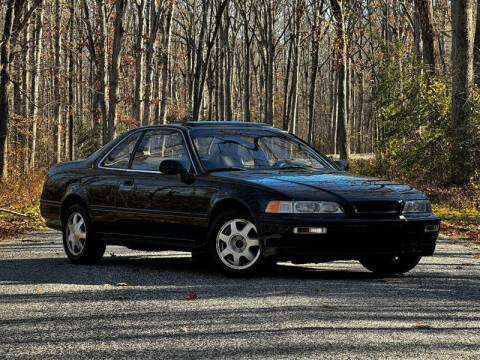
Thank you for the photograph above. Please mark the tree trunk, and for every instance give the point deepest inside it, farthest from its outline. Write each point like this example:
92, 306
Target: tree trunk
313, 77
115, 68
71, 108
429, 34
341, 62
5, 83
36, 84
139, 65
56, 83
476, 54
462, 88
165, 61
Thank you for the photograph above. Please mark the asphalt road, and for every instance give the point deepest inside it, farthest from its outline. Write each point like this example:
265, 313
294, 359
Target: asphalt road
157, 305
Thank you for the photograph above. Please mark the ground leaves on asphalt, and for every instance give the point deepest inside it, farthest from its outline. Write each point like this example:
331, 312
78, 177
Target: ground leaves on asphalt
191, 297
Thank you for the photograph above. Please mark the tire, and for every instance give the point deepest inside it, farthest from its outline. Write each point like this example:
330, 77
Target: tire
391, 265
79, 241
233, 244
200, 259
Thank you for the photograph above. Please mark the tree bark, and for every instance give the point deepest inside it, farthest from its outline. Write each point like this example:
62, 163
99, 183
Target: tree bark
165, 60
462, 88
115, 68
139, 65
313, 76
36, 84
56, 83
476, 53
341, 62
71, 64
5, 82
429, 34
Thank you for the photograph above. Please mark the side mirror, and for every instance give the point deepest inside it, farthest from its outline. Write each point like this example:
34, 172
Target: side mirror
342, 165
172, 167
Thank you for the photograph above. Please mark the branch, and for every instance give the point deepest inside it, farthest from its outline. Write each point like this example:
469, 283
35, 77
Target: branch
15, 213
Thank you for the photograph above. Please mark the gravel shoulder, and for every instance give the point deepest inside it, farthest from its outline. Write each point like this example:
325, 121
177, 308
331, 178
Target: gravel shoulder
157, 305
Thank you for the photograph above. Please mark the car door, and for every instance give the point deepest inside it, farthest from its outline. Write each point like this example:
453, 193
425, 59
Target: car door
103, 186
159, 205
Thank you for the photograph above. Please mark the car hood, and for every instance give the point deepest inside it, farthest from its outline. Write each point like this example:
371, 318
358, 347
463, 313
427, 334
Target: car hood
314, 184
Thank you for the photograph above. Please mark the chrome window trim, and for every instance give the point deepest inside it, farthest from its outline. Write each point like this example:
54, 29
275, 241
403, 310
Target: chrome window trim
147, 171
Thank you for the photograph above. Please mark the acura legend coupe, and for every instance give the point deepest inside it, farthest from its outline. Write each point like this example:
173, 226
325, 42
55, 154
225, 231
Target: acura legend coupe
239, 195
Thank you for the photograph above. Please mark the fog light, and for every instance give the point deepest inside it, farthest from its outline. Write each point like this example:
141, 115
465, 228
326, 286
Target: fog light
310, 230
432, 228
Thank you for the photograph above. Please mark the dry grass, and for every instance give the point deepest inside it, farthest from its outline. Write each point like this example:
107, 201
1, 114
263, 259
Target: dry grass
21, 195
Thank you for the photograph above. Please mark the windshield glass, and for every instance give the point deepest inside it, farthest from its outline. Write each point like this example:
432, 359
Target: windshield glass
234, 150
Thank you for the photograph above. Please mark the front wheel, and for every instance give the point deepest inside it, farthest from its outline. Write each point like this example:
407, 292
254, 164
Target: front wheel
234, 243
391, 265
79, 241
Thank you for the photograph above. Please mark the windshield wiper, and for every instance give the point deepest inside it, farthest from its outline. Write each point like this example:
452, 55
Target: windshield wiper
233, 168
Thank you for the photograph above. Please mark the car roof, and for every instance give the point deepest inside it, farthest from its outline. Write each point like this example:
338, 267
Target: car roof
221, 124
214, 125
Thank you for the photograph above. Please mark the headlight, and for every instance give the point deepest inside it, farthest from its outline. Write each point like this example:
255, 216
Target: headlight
303, 207
417, 206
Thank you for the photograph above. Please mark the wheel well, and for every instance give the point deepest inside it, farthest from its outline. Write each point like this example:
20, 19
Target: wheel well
69, 201
228, 204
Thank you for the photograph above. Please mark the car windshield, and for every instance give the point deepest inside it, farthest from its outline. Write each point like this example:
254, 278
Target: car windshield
263, 150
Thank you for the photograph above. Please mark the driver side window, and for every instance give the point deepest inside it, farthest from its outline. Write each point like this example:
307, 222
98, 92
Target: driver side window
159, 145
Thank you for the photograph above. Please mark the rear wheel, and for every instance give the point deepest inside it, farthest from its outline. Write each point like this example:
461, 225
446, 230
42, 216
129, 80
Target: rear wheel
234, 243
79, 241
390, 265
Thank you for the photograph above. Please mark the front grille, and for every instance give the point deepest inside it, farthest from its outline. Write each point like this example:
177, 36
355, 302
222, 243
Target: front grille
377, 209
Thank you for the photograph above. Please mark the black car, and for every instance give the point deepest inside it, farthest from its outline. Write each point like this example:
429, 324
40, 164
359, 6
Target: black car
242, 195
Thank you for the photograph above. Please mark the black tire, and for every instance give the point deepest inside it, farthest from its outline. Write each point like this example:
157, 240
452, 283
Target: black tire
391, 265
257, 264
201, 259
93, 249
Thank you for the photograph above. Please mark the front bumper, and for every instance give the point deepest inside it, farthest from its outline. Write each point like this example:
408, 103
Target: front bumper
347, 239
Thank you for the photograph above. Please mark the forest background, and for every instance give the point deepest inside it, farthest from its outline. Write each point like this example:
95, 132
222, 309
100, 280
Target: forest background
390, 85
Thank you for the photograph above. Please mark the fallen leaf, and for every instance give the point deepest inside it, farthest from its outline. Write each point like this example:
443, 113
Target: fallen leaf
183, 329
191, 297
123, 284
477, 256
37, 289
106, 285
422, 326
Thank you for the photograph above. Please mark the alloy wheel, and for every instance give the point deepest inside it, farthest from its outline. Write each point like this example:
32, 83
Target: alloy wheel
76, 233
237, 244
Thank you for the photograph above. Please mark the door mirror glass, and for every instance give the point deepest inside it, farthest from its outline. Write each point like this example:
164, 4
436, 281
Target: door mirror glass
172, 167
